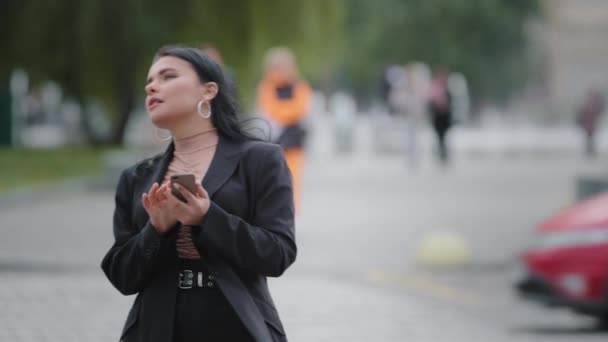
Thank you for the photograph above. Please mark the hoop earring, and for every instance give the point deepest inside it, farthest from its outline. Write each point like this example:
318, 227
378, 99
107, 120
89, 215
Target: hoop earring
199, 108
162, 139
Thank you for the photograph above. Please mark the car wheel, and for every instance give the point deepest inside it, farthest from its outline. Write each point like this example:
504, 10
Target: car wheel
602, 322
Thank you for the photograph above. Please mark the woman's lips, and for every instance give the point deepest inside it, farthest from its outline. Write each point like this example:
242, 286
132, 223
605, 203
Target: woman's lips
153, 103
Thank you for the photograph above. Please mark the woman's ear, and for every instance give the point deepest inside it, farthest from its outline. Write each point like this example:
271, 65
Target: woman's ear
210, 90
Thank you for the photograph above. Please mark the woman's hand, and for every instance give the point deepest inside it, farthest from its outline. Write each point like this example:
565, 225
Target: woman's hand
156, 204
195, 208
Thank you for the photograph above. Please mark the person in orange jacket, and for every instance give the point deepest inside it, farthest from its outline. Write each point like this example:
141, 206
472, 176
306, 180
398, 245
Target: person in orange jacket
285, 98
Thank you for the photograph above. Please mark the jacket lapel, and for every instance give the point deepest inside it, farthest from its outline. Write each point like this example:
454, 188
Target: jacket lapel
222, 166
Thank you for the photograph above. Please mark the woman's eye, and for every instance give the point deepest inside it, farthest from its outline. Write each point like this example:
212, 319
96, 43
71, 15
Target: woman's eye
167, 77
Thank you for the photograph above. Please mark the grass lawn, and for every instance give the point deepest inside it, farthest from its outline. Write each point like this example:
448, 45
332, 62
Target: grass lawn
28, 167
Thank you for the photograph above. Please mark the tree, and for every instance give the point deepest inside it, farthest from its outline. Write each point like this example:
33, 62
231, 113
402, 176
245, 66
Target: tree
245, 30
484, 39
94, 49
101, 50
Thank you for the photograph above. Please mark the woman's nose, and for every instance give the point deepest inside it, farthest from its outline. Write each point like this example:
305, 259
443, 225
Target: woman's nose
151, 88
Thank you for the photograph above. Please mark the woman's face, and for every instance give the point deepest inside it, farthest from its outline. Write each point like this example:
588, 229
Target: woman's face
283, 71
173, 91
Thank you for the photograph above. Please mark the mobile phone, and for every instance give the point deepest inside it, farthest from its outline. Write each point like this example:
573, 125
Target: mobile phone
187, 181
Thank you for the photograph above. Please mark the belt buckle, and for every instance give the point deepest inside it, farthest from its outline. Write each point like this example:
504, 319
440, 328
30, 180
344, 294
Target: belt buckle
186, 279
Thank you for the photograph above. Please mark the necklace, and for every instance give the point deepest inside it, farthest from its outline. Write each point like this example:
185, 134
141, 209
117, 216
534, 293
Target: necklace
196, 150
184, 159
197, 134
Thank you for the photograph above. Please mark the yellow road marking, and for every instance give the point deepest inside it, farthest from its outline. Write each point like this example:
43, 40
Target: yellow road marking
423, 284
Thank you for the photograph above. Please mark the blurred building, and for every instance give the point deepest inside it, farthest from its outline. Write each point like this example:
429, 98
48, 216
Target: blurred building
575, 34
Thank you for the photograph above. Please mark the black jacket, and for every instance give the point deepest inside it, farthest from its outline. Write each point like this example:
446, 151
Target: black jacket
247, 235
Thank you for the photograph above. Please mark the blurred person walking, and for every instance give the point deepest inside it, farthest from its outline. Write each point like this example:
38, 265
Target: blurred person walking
392, 81
213, 52
588, 118
199, 264
440, 109
285, 98
409, 98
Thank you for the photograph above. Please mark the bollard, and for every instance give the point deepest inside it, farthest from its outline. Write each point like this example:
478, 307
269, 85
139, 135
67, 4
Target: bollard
443, 249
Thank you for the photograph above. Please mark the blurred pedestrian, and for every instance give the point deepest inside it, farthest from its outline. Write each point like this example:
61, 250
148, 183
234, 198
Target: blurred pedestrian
440, 109
199, 264
393, 79
409, 98
285, 98
213, 52
588, 118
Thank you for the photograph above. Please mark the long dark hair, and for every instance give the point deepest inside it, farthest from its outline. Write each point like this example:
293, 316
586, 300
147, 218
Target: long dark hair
223, 106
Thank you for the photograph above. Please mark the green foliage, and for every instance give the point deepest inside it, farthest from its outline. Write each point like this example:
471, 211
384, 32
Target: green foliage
101, 50
245, 30
94, 49
24, 167
484, 39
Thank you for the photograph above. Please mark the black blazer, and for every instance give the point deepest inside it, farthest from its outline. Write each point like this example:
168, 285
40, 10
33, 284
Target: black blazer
247, 235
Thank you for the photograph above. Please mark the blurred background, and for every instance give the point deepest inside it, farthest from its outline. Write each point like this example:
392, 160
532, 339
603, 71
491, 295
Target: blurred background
454, 171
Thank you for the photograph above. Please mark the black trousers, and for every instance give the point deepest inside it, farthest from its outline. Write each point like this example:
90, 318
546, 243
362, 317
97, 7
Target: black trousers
204, 314
442, 121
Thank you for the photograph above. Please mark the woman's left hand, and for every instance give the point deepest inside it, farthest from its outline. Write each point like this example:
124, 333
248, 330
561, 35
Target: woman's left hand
192, 212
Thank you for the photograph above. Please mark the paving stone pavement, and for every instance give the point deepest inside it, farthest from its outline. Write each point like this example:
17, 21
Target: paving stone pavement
52, 289
69, 306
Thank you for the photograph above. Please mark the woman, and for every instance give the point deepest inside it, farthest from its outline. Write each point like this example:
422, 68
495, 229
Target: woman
199, 267
285, 99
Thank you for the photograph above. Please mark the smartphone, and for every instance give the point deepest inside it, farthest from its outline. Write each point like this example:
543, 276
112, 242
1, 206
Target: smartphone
187, 181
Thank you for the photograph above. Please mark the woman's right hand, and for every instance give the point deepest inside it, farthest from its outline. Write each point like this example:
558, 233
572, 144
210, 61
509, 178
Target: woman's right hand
155, 203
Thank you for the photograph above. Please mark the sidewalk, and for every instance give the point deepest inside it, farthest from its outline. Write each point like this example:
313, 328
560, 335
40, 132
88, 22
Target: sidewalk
357, 216
79, 307
360, 214
387, 134
52, 288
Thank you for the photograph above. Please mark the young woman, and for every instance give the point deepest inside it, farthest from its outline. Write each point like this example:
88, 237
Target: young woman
199, 267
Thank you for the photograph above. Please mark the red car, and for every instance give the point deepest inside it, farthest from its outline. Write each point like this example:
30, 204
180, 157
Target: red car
568, 264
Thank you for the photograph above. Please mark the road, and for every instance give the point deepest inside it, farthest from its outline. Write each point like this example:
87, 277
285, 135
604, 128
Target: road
356, 277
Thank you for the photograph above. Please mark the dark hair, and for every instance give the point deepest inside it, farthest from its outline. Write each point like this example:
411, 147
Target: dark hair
223, 106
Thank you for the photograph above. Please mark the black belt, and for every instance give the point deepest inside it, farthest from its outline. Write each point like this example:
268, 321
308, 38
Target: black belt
188, 279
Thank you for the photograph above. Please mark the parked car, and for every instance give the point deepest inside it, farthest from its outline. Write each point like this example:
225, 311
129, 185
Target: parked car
567, 265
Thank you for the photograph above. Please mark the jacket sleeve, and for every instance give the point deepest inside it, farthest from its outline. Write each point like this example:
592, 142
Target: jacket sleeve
134, 254
266, 246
